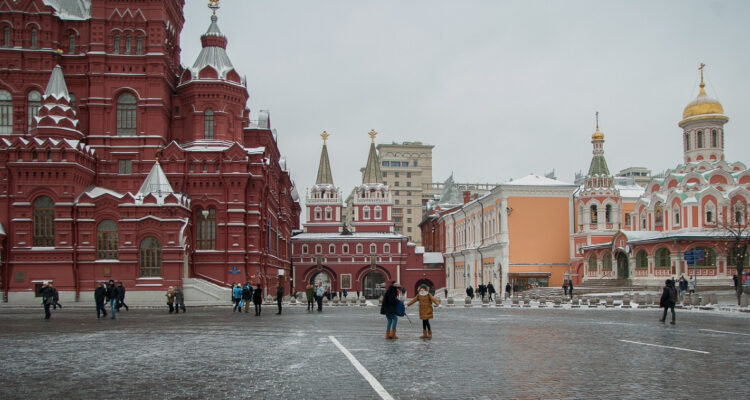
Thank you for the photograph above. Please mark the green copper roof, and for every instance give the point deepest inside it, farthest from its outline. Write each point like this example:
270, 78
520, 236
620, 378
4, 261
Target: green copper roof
324, 169
598, 166
372, 172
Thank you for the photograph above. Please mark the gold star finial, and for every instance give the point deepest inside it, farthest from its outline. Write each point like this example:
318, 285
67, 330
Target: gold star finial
701, 69
325, 136
373, 134
213, 5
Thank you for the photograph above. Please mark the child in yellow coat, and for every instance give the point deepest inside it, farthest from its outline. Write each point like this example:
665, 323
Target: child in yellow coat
425, 310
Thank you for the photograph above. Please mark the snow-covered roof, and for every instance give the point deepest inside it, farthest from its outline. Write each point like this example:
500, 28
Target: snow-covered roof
56, 87
96, 191
353, 236
74, 10
156, 182
214, 57
536, 180
433, 258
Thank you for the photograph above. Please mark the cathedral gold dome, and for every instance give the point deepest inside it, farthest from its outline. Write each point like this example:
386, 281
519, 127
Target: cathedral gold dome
598, 135
702, 105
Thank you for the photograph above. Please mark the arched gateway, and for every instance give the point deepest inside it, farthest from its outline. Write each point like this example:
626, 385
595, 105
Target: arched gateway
373, 284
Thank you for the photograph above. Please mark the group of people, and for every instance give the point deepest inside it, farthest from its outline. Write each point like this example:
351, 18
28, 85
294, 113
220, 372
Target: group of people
315, 294
568, 287
392, 307
109, 292
175, 299
482, 290
243, 295
50, 298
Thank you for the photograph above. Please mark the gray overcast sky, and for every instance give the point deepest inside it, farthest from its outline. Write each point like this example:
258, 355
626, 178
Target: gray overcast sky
501, 88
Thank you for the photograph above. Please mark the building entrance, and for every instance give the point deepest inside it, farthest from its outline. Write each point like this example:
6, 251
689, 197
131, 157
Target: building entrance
321, 277
622, 266
373, 285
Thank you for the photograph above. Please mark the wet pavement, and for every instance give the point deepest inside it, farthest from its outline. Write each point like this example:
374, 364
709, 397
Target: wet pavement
475, 353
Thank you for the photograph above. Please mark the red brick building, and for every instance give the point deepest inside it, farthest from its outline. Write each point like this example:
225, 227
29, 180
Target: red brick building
367, 256
118, 163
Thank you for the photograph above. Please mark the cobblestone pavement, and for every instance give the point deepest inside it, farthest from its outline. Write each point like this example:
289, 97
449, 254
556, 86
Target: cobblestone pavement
475, 353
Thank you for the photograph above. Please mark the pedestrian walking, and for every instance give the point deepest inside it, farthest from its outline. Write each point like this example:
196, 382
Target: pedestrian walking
258, 299
310, 294
112, 297
426, 300
668, 299
490, 290
55, 296
388, 308
279, 296
179, 300
47, 299
683, 285
121, 300
570, 288
237, 296
320, 291
736, 281
565, 286
170, 299
100, 293
691, 285
247, 296
470, 292
507, 290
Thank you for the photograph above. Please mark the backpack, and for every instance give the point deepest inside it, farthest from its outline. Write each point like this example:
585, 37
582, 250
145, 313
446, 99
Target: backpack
400, 309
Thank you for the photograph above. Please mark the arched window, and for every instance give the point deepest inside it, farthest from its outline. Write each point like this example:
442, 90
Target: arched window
329, 213
318, 249
386, 248
331, 248
208, 124
710, 213
359, 248
662, 258
126, 118
33, 103
128, 43
594, 216
607, 262
676, 216
378, 213
714, 139
318, 214
700, 139
6, 36
365, 212
687, 140
150, 258
709, 260
739, 213
373, 248
72, 43
644, 221
116, 44
658, 215
34, 38
44, 222
6, 113
139, 45
304, 249
641, 259
345, 249
205, 232
106, 240
592, 263
608, 213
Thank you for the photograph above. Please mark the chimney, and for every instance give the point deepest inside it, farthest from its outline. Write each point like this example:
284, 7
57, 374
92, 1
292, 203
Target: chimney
467, 196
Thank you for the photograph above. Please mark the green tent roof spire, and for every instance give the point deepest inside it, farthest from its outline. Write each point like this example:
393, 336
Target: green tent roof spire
372, 172
324, 168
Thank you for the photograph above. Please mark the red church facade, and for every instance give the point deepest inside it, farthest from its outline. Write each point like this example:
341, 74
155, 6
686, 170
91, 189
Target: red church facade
367, 256
118, 163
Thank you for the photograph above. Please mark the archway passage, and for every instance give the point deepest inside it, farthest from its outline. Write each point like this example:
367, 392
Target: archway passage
321, 277
430, 285
373, 285
623, 272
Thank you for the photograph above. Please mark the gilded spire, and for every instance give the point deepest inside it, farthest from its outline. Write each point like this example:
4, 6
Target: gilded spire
702, 84
213, 5
598, 135
324, 168
372, 172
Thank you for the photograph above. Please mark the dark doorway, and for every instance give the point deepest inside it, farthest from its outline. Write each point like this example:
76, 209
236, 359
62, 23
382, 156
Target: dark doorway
373, 285
623, 272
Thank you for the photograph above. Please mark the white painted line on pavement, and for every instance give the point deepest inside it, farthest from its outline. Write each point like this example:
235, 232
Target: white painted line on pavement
379, 389
729, 333
666, 347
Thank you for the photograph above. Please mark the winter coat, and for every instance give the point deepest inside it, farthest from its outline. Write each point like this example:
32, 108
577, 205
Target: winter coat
279, 292
170, 296
425, 305
247, 293
121, 293
320, 291
668, 297
389, 303
310, 293
258, 296
112, 293
237, 292
179, 296
47, 295
99, 295
507, 287
683, 285
491, 288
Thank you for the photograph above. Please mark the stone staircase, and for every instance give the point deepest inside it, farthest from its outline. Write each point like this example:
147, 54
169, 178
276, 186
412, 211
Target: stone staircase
607, 285
201, 290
